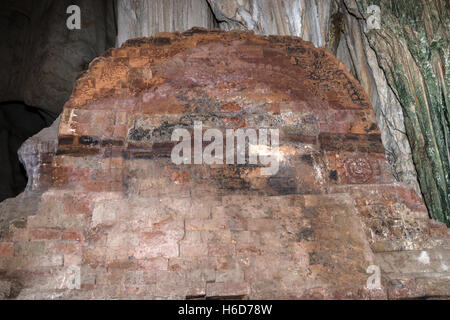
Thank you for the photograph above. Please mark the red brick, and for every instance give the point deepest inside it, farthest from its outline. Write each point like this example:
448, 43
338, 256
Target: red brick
100, 175
72, 235
220, 249
116, 175
62, 161
94, 258
120, 131
117, 186
117, 162
153, 236
205, 224
77, 204
121, 264
158, 263
6, 249
227, 289
65, 247
107, 175
230, 106
343, 115
193, 249
248, 249
45, 234
97, 186
87, 286
262, 224
63, 175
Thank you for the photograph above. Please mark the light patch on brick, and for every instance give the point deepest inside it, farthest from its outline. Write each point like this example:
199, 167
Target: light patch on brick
103, 214
424, 258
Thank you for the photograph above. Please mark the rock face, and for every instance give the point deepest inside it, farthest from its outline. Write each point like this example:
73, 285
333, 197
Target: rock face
148, 17
121, 220
40, 60
36, 154
416, 65
42, 57
17, 123
361, 60
308, 19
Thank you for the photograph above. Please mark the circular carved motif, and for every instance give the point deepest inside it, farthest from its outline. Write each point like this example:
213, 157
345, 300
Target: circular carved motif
358, 170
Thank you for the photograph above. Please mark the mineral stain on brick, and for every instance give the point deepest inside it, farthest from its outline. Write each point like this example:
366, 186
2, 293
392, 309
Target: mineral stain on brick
6, 249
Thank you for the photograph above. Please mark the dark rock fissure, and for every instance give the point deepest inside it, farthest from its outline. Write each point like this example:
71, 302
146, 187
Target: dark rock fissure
18, 122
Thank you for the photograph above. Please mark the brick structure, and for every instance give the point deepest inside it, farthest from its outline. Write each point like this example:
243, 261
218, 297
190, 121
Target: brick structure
122, 221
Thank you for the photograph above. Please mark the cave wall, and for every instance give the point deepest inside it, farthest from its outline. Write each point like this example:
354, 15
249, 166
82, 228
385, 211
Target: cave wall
413, 51
40, 60
42, 57
17, 123
353, 49
305, 18
148, 17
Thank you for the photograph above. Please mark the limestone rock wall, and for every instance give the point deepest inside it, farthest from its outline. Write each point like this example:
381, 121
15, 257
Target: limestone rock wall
42, 58
146, 18
308, 19
413, 51
122, 221
354, 50
36, 155
17, 123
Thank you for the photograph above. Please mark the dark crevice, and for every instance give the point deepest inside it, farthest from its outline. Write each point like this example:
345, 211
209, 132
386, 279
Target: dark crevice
216, 21
18, 122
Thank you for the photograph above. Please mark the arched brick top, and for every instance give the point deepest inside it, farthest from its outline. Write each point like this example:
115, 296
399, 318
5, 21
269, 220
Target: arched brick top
229, 76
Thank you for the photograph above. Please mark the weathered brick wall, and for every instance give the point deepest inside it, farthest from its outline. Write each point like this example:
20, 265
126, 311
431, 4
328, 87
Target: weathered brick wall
135, 225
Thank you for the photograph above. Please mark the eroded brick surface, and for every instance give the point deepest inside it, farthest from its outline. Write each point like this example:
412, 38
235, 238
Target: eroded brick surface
122, 221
